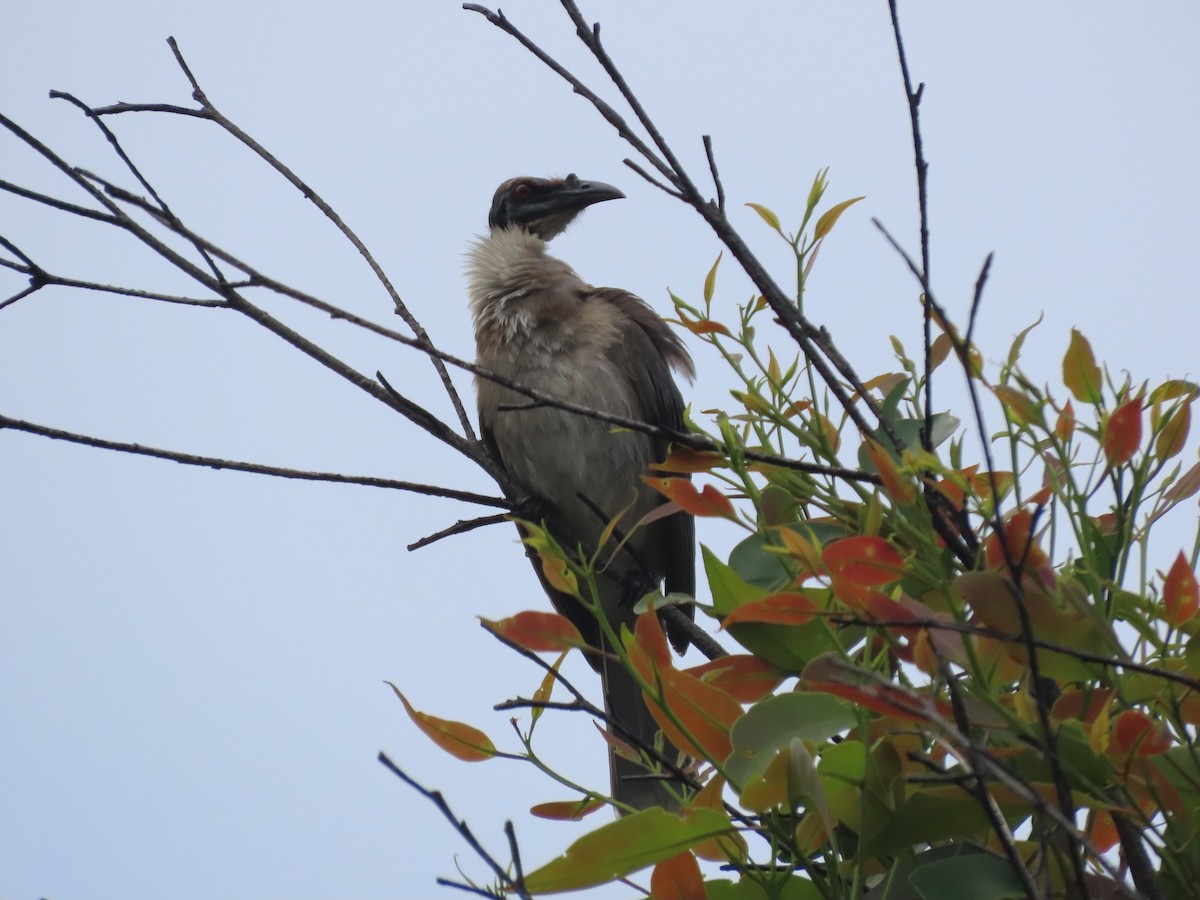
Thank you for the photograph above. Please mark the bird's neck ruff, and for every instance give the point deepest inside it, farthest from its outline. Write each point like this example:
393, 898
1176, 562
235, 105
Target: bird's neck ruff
506, 266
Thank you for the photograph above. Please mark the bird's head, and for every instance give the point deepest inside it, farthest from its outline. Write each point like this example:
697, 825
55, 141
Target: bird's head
544, 207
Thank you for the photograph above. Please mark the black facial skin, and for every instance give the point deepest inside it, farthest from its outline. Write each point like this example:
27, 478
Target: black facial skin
543, 206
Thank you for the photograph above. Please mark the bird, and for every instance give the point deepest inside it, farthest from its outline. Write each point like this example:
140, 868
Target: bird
540, 325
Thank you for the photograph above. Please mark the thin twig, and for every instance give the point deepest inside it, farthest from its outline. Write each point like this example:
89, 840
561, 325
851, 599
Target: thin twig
460, 527
46, 279
712, 168
436, 798
913, 100
129, 164
317, 200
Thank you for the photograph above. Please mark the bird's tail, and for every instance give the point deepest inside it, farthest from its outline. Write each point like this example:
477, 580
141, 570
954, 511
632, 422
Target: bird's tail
625, 704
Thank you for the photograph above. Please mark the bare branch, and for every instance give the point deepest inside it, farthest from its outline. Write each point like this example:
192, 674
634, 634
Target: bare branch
211, 462
211, 112
55, 203
610, 115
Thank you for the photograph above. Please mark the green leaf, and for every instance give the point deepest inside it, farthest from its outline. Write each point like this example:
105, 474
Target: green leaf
817, 191
772, 724
759, 567
829, 218
978, 876
767, 216
625, 846
788, 647
1014, 352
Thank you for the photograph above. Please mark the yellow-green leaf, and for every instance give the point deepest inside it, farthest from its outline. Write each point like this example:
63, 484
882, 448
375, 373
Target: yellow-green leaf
625, 846
710, 280
830, 216
1080, 372
1174, 433
1018, 405
767, 216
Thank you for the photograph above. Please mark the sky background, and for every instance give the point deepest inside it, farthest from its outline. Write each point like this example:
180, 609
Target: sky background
192, 662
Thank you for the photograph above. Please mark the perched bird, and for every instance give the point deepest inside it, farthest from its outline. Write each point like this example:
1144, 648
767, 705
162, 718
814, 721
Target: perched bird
540, 325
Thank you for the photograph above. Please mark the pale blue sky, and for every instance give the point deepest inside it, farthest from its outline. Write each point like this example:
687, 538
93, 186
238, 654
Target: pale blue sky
192, 662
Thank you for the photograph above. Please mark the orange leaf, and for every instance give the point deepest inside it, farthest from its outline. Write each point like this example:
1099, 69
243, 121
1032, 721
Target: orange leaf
685, 459
459, 740
677, 878
1123, 432
865, 560
1102, 830
898, 485
569, 810
924, 656
786, 608
806, 553
707, 712
1020, 543
706, 326
1137, 731
1181, 597
709, 502
726, 848
1080, 372
1064, 427
537, 631
1070, 704
744, 677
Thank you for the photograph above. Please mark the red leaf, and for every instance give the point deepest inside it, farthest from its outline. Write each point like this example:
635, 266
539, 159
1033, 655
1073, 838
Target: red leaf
865, 560
1181, 596
537, 631
1123, 432
677, 878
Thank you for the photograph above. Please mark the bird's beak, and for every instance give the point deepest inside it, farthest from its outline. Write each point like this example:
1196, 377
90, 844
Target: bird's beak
572, 195
585, 193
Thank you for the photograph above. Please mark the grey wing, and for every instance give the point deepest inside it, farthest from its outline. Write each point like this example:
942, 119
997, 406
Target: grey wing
653, 350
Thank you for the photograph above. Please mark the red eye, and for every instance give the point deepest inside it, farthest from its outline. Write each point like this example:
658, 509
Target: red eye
522, 191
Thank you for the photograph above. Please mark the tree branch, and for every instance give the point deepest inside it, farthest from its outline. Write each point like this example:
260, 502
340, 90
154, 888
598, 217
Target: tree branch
212, 462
